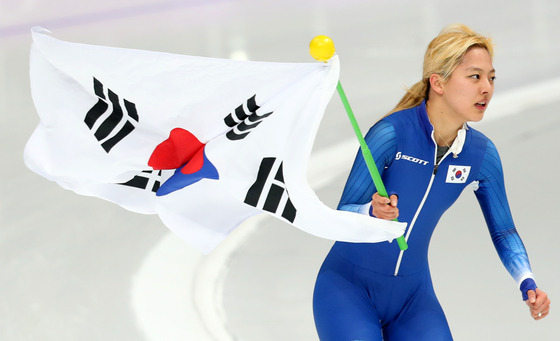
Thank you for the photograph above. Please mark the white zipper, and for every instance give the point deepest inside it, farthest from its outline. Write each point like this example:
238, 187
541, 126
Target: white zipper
414, 221
434, 171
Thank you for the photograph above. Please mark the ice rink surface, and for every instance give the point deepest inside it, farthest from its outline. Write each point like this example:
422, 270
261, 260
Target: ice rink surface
78, 268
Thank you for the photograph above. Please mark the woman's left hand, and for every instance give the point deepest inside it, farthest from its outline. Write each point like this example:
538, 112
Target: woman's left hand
539, 303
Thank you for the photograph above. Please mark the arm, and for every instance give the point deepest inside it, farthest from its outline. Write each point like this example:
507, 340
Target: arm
493, 201
357, 195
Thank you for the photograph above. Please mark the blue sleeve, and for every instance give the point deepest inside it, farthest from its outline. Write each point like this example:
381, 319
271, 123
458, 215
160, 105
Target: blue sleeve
491, 195
382, 142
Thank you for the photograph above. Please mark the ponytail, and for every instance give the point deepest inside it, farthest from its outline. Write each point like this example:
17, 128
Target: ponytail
413, 96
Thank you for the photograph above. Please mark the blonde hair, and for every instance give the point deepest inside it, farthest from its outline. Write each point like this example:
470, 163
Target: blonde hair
444, 53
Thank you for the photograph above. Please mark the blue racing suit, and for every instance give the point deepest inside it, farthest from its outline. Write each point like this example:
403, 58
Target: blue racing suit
375, 291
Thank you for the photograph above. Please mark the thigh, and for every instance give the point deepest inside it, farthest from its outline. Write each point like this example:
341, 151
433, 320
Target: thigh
342, 309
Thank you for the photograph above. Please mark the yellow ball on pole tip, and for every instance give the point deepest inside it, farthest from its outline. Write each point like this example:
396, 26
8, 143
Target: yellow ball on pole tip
321, 48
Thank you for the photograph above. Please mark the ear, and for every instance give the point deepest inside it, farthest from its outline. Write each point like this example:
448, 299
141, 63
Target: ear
436, 83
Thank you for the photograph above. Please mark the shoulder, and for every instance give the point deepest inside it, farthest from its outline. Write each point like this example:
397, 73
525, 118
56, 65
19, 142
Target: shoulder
477, 134
483, 142
491, 164
398, 122
381, 133
383, 126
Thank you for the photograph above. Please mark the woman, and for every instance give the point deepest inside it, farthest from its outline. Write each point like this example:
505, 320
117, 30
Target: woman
426, 155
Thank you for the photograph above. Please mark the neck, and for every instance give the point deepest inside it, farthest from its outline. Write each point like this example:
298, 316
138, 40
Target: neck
445, 129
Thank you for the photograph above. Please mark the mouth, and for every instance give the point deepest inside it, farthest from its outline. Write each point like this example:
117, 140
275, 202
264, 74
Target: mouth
481, 105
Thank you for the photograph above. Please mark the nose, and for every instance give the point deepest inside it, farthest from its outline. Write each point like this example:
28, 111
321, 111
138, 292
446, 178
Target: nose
487, 87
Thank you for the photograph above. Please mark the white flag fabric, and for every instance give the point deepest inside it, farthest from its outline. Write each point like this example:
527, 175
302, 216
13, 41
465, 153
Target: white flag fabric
204, 143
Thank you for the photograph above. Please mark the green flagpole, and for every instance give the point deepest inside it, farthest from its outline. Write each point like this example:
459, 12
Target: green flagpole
370, 162
322, 48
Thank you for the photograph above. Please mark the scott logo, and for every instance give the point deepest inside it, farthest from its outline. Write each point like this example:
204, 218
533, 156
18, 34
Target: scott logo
400, 156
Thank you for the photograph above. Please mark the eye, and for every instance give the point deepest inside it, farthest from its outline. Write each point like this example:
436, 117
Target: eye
476, 76
493, 78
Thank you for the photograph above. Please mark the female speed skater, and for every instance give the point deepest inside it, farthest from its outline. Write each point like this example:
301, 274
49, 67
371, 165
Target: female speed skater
426, 154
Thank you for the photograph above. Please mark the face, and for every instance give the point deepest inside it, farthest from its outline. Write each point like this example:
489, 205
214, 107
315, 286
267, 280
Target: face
468, 91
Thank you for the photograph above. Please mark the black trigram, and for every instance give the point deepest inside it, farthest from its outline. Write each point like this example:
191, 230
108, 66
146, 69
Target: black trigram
270, 182
148, 179
115, 125
243, 119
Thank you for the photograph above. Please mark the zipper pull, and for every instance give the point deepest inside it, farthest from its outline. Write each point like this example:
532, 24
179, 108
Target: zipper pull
436, 168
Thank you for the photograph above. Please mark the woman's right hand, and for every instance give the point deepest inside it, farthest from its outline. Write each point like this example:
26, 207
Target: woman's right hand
384, 208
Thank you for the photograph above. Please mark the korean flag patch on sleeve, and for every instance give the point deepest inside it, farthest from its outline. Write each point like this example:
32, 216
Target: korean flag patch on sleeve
457, 174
